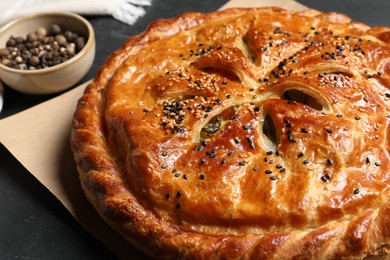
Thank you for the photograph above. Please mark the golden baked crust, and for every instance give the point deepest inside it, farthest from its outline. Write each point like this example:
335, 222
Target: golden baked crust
245, 133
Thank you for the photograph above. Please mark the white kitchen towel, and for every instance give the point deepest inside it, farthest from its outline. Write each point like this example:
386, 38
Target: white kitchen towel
127, 11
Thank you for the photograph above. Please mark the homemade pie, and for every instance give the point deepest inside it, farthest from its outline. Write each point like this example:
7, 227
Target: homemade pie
243, 133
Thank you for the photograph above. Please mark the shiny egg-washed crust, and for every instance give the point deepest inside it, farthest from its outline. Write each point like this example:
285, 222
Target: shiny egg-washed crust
243, 133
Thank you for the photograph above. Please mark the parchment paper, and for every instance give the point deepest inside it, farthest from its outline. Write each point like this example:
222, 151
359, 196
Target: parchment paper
44, 149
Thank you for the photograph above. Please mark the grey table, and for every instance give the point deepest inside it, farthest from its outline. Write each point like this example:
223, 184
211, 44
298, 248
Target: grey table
33, 223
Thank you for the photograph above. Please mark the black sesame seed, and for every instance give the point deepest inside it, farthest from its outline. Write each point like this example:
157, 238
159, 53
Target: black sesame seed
268, 171
387, 94
255, 168
324, 179
228, 96
271, 161
367, 160
223, 161
329, 161
329, 130
185, 176
306, 161
178, 206
339, 115
291, 139
266, 159
167, 196
289, 131
380, 73
224, 82
270, 153
164, 153
178, 194
202, 177
357, 117
241, 163
278, 166
304, 130
203, 161
283, 170
377, 164
164, 167
327, 175
236, 140
177, 175
273, 178
356, 191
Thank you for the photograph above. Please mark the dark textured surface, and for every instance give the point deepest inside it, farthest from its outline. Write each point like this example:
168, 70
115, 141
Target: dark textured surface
34, 224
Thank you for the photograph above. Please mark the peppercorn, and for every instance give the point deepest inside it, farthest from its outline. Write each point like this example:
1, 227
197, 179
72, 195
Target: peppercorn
41, 49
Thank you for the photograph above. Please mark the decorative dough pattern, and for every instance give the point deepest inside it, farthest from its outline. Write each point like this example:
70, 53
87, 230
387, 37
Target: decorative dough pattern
245, 133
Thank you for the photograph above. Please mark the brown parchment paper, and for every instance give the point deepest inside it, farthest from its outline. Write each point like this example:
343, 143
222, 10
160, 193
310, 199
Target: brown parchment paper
44, 150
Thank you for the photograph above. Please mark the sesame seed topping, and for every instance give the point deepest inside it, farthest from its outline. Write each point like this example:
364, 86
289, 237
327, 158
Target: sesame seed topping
273, 178
255, 168
164, 153
177, 175
241, 163
283, 170
357, 117
291, 139
178, 206
324, 179
329, 161
268, 171
270, 153
377, 164
278, 166
178, 194
356, 191
164, 167
202, 177
306, 161
300, 155
329, 130
304, 130
167, 196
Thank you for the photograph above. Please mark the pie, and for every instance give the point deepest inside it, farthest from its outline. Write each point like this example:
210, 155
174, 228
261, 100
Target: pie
244, 133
